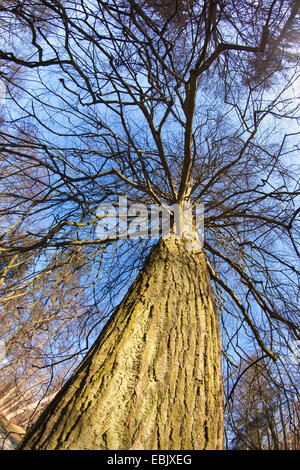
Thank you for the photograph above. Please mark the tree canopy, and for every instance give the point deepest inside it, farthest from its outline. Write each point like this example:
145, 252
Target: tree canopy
186, 101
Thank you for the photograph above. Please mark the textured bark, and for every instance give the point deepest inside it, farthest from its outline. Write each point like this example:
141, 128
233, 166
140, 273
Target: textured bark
152, 380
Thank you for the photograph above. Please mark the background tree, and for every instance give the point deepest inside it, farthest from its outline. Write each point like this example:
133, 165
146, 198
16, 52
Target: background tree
163, 105
263, 411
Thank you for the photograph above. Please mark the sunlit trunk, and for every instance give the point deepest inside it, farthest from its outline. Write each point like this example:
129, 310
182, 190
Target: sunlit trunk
153, 378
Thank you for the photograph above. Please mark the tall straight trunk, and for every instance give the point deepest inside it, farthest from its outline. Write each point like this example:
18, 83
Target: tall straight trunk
152, 380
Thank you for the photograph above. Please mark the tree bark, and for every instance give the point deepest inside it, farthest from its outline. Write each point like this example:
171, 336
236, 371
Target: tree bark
153, 379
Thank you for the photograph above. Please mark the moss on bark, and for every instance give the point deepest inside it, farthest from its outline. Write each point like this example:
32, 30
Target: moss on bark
152, 380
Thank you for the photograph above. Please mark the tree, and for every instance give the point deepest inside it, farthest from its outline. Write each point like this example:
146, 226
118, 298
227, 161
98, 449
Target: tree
164, 106
10, 435
261, 415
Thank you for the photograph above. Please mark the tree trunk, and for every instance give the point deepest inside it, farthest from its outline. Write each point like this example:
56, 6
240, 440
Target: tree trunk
152, 380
